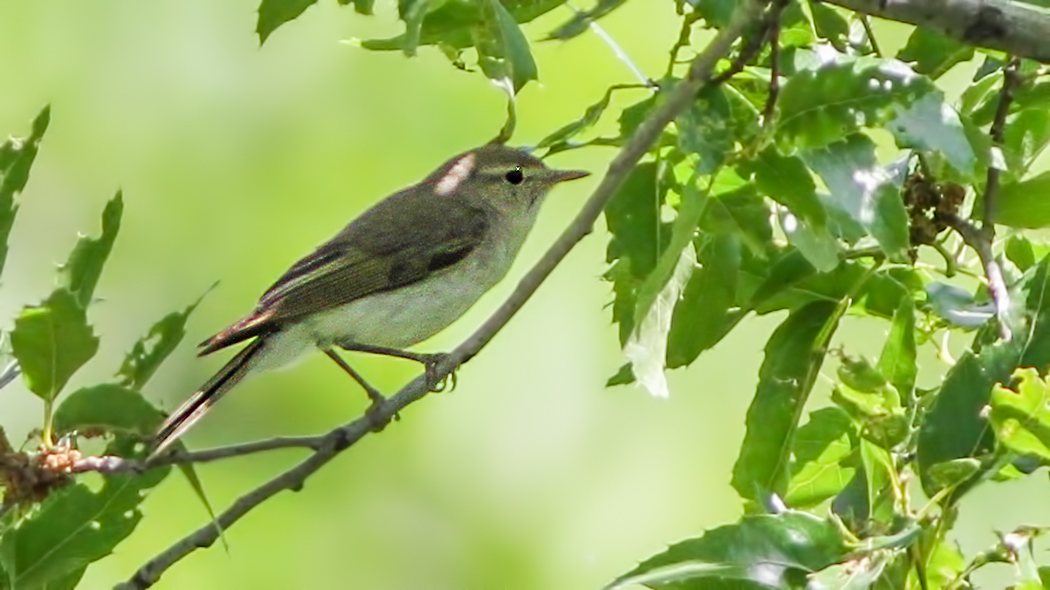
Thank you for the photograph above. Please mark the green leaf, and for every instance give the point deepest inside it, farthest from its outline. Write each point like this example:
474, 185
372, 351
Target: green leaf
786, 180
503, 50
794, 354
1019, 251
829, 24
821, 105
954, 427
868, 193
51, 341
74, 527
632, 217
958, 306
16, 158
931, 125
589, 118
820, 448
1025, 137
274, 13
152, 349
951, 474
934, 54
581, 21
702, 316
360, 6
706, 129
109, 407
898, 360
766, 551
1021, 416
81, 272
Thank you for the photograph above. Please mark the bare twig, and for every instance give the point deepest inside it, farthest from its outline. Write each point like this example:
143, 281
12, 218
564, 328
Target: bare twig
1011, 79
980, 242
1018, 28
871, 35
341, 438
774, 73
10, 373
113, 464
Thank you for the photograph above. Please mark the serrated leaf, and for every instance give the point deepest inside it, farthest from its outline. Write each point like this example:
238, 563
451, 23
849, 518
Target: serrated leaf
931, 125
933, 53
1021, 415
819, 448
867, 192
793, 356
821, 105
74, 527
51, 341
702, 316
81, 272
632, 217
767, 550
150, 351
589, 118
16, 158
274, 13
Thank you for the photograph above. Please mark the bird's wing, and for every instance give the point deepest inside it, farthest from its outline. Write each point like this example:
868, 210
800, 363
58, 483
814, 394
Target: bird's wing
393, 244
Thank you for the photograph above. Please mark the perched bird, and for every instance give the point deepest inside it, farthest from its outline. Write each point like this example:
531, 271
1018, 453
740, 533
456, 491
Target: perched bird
398, 274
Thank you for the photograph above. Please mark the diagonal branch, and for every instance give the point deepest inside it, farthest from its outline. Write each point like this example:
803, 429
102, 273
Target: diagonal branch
1014, 27
334, 442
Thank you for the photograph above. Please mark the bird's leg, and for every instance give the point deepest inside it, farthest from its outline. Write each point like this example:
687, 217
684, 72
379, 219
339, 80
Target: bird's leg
429, 361
373, 393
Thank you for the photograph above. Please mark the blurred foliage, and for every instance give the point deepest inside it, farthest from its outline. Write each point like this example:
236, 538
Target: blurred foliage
825, 179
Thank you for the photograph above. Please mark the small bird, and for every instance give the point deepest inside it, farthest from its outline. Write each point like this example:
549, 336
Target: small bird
398, 274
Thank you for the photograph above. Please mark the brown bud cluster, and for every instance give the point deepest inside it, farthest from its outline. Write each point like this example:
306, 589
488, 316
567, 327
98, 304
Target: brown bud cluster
928, 205
30, 477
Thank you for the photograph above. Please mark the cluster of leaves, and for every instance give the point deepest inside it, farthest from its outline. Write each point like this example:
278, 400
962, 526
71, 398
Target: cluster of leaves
824, 181
53, 527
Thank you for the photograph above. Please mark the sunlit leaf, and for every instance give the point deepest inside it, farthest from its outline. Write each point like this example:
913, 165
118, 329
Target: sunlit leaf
701, 318
786, 179
151, 350
792, 362
898, 360
16, 157
503, 51
933, 54
51, 341
1021, 415
81, 272
931, 125
867, 192
819, 448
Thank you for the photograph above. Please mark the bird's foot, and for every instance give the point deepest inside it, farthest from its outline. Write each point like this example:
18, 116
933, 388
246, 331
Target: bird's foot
435, 384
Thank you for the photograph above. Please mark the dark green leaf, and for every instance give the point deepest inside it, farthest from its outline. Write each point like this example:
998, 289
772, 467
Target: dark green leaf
952, 473
274, 13
108, 407
1025, 137
932, 53
868, 193
360, 6
786, 180
819, 449
150, 351
954, 427
623, 376
633, 219
794, 354
589, 118
764, 551
51, 341
81, 272
702, 316
819, 106
16, 157
74, 527
582, 19
898, 360
830, 24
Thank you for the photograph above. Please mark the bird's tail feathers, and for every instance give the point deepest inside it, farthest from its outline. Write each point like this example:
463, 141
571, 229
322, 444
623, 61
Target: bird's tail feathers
200, 402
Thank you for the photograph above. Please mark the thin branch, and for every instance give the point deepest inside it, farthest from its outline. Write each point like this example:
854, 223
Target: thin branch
114, 464
774, 72
677, 99
980, 242
621, 54
871, 35
10, 373
1017, 28
1011, 79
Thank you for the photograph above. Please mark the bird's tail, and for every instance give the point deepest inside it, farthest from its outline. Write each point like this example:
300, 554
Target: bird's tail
200, 402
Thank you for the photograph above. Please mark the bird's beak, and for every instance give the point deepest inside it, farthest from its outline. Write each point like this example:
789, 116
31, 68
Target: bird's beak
563, 175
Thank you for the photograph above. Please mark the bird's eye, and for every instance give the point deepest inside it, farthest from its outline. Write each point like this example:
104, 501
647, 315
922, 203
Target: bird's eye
515, 176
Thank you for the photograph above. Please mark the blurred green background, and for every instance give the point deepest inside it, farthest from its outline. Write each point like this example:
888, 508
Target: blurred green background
235, 160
